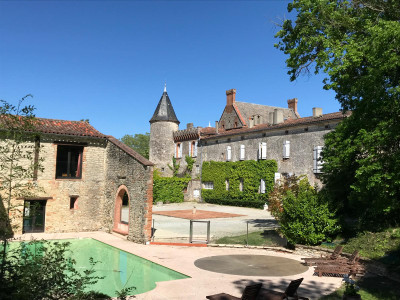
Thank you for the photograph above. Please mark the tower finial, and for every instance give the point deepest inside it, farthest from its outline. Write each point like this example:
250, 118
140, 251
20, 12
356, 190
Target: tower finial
165, 87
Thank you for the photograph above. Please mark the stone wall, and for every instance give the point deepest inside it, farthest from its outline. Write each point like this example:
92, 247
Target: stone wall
302, 139
137, 179
162, 147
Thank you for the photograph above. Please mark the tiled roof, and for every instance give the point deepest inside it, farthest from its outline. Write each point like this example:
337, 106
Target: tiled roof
210, 132
129, 151
83, 129
250, 109
77, 128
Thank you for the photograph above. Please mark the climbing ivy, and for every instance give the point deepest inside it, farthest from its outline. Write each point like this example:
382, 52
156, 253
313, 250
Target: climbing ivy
250, 171
168, 189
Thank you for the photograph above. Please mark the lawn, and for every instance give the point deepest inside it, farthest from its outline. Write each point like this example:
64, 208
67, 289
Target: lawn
260, 238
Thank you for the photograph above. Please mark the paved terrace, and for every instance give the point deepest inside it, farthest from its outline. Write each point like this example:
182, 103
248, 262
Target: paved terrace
203, 282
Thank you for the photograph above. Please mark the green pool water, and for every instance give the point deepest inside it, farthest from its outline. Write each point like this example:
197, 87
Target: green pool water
119, 268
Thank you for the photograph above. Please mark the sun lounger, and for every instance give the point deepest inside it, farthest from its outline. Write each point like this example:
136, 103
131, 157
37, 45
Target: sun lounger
291, 291
249, 293
342, 266
327, 259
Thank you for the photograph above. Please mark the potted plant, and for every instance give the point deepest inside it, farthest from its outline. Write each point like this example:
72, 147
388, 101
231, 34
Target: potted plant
350, 289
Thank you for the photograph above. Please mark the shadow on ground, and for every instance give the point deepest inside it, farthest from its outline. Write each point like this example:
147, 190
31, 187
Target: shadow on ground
263, 223
310, 289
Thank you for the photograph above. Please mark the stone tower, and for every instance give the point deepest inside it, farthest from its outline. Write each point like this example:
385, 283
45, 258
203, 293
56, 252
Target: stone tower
162, 126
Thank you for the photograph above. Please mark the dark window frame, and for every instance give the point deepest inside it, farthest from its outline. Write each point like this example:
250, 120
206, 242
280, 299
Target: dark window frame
79, 149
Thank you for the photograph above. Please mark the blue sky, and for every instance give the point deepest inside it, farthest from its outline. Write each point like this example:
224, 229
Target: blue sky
107, 61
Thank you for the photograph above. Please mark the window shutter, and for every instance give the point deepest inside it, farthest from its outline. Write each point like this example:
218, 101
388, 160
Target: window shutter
242, 152
195, 149
262, 186
259, 150
286, 149
277, 177
176, 151
264, 151
190, 148
228, 153
317, 159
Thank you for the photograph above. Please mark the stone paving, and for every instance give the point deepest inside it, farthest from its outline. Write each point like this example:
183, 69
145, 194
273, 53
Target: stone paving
202, 282
195, 214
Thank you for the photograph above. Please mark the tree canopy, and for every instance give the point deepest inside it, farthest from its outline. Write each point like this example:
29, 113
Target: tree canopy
139, 142
356, 44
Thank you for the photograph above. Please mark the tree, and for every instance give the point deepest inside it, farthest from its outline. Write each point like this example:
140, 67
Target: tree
139, 143
357, 45
17, 166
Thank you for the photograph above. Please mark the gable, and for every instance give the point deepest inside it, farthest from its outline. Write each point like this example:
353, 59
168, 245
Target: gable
231, 118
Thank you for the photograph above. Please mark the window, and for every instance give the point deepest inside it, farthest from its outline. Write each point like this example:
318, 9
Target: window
241, 184
277, 177
228, 153
286, 149
73, 202
317, 160
178, 152
242, 152
208, 185
227, 184
196, 193
262, 186
197, 169
125, 209
193, 149
262, 150
69, 161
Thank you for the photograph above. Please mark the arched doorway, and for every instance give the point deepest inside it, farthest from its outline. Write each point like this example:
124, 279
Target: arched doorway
121, 211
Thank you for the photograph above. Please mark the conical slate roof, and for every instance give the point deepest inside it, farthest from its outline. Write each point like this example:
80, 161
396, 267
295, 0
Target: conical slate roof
164, 110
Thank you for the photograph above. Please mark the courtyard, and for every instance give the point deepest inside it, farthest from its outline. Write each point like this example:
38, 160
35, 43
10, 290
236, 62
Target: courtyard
203, 282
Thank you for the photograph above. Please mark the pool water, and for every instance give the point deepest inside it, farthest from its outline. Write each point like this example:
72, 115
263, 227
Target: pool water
120, 269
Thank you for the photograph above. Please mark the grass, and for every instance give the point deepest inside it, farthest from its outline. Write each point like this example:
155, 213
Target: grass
260, 238
371, 288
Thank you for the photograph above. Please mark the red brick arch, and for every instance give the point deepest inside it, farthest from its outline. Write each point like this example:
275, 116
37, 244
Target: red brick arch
119, 226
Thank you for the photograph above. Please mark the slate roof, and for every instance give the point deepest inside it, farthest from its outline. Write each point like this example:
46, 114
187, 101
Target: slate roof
164, 110
210, 132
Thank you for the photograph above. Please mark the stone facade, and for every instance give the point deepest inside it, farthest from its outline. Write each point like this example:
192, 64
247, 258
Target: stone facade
245, 130
91, 198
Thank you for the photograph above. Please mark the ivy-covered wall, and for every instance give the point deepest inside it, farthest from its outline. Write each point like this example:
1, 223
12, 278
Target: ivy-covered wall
169, 189
250, 171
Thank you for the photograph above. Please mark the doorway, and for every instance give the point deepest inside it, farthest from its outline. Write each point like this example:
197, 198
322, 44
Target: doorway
34, 216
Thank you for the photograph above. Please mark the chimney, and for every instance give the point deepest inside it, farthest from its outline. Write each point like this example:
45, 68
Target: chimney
230, 97
278, 116
271, 118
251, 122
292, 104
317, 112
189, 125
216, 127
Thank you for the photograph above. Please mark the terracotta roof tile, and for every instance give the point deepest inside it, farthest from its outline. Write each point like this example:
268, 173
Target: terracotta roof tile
210, 132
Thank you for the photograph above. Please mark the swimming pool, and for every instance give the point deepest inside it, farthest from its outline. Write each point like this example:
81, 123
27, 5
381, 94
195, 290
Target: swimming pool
120, 269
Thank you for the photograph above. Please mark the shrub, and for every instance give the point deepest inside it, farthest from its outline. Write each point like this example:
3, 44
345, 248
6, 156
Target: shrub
169, 189
303, 217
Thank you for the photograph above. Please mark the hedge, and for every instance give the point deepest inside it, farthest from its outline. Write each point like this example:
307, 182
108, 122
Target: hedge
250, 171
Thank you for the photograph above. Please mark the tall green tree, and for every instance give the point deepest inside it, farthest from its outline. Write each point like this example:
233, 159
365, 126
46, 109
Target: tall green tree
139, 142
356, 44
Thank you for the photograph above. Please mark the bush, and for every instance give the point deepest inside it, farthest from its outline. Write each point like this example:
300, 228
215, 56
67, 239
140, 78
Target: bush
303, 217
42, 270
